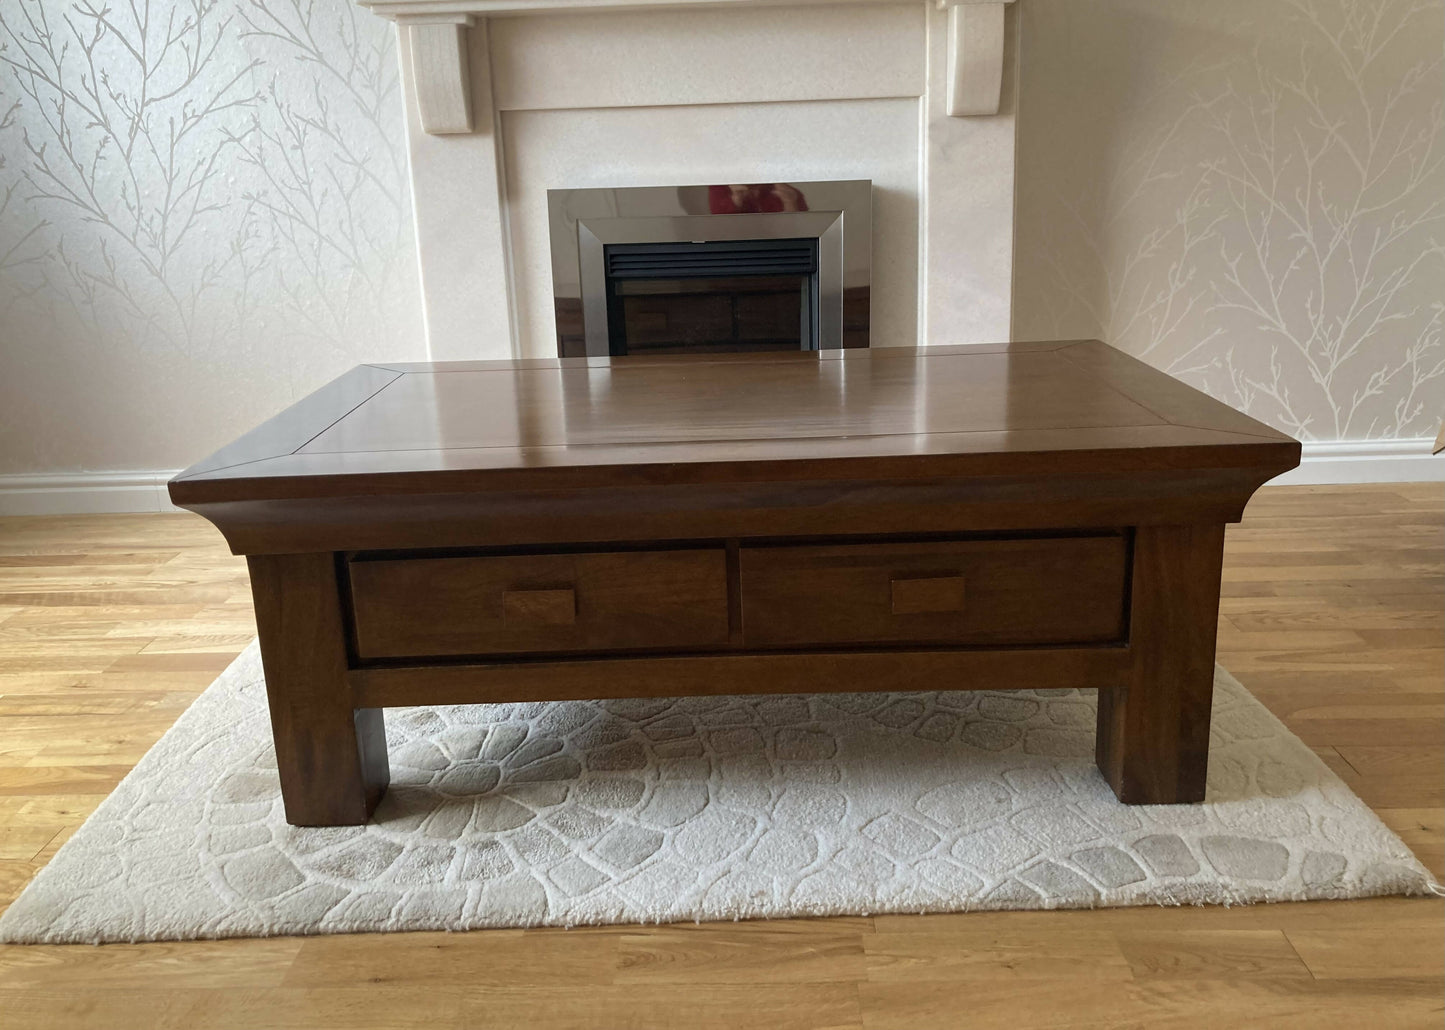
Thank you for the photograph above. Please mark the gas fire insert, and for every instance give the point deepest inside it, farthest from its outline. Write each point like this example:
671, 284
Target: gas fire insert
709, 269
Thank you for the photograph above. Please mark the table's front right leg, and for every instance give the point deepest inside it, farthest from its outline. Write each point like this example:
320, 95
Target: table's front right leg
331, 756
1153, 729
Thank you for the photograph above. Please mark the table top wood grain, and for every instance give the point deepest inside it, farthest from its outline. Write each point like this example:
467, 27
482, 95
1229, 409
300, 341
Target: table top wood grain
891, 413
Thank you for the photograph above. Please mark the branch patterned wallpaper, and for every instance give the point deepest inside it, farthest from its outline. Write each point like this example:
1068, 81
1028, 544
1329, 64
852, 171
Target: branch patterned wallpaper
1249, 194
204, 214
204, 210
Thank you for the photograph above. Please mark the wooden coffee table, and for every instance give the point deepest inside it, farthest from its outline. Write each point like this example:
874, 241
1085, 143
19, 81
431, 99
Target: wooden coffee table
1025, 515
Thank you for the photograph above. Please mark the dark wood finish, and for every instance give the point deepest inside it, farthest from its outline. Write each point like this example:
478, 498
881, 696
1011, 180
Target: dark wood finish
1165, 396
530, 608
293, 428
331, 754
1032, 591
884, 414
827, 672
735, 596
1153, 731
643, 513
917, 594
519, 604
877, 441
882, 519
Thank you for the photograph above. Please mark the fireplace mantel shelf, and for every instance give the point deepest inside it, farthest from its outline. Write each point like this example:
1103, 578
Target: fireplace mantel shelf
438, 38
400, 9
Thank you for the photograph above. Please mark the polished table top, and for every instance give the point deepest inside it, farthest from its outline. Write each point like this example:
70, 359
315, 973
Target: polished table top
1006, 409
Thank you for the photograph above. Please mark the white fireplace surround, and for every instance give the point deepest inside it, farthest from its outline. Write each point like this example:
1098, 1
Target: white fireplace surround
506, 99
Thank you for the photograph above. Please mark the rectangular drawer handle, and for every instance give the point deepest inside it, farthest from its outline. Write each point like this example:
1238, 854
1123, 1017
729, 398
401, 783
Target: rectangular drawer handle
539, 607
915, 595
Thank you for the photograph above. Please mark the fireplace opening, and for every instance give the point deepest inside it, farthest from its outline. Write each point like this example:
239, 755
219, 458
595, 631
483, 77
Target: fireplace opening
711, 269
723, 296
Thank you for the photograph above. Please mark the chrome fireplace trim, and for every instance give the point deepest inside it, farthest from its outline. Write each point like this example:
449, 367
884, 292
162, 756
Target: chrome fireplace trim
584, 221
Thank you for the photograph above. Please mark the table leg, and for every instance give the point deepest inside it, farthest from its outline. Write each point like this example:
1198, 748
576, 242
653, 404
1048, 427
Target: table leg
331, 756
1153, 731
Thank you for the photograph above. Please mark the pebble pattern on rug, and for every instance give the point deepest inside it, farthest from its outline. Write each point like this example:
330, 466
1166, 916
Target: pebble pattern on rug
625, 811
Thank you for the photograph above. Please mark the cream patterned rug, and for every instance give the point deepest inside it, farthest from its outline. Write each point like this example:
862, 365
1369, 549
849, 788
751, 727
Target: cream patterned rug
698, 809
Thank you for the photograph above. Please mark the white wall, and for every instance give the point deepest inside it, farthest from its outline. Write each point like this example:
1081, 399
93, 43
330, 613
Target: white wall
1248, 194
151, 309
192, 239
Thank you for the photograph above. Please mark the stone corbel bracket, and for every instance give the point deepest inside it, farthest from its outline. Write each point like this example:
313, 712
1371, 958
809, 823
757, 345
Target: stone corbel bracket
975, 55
439, 65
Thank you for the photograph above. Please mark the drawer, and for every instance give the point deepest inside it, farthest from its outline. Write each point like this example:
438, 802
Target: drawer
1040, 591
518, 604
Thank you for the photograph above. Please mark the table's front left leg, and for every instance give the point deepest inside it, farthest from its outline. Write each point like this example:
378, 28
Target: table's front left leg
1153, 729
331, 756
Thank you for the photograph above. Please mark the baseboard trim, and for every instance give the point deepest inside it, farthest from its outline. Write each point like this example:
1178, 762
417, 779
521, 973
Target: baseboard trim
85, 493
92, 493
1326, 462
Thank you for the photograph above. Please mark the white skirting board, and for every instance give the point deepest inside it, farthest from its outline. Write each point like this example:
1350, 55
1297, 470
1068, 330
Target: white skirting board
89, 493
84, 493
1366, 461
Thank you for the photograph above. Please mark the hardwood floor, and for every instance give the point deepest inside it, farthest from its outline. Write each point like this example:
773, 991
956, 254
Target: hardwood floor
1333, 614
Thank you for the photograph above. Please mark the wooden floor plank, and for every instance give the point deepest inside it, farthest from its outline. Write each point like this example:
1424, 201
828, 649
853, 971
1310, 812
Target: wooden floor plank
119, 967
251, 1008
1376, 953
1211, 954
829, 1006
910, 956
735, 955
496, 958
1291, 1003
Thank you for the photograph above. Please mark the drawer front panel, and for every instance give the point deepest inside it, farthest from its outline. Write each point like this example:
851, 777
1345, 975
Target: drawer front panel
519, 604
1046, 591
